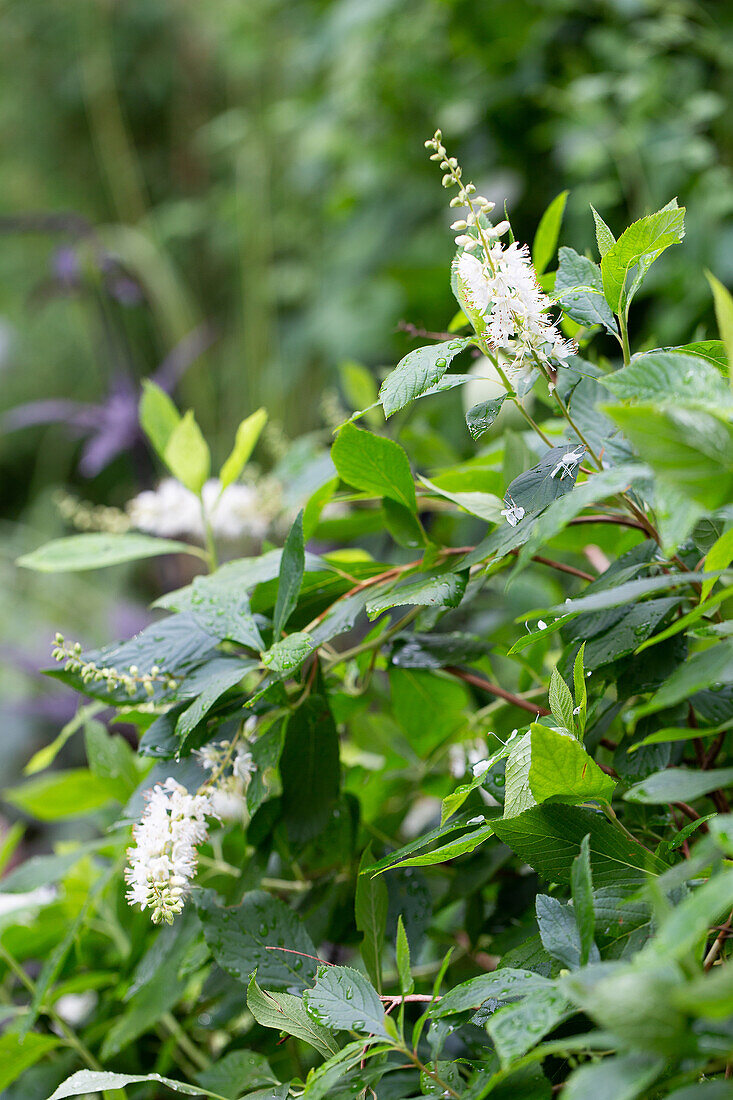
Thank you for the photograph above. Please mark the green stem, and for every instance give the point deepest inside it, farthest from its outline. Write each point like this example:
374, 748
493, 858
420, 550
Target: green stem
68, 1033
192, 1052
375, 643
447, 1090
623, 324
211, 555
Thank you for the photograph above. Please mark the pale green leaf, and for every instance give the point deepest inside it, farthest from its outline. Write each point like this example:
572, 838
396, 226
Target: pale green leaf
187, 454
95, 550
247, 435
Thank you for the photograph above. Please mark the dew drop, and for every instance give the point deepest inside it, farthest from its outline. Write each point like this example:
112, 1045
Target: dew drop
441, 362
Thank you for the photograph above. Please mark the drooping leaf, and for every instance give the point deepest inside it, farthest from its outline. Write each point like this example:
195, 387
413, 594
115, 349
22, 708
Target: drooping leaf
417, 372
480, 417
443, 590
284, 1012
343, 1000
96, 550
240, 937
374, 464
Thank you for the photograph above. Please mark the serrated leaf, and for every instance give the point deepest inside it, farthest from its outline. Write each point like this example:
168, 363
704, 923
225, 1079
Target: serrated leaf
626, 262
549, 837
159, 417
669, 376
374, 464
536, 488
417, 372
548, 231
561, 769
561, 701
719, 556
480, 417
96, 550
506, 984
247, 435
516, 1028
187, 454
343, 1000
290, 579
240, 937
88, 1082
444, 590
581, 885
604, 237
284, 1012
579, 291
559, 932
370, 909
227, 675
581, 692
224, 613
402, 950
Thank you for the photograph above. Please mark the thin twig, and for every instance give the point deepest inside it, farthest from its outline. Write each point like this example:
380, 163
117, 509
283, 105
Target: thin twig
494, 689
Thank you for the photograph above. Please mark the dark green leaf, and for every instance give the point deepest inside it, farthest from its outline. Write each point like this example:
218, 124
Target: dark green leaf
579, 290
343, 1000
479, 418
309, 767
371, 917
292, 567
417, 372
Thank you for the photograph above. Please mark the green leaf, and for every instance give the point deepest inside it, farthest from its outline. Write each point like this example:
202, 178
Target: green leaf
95, 550
402, 524
371, 917
604, 236
549, 838
227, 675
690, 449
284, 1012
343, 1000
627, 261
224, 612
623, 1077
712, 666
417, 372
559, 931
402, 949
237, 1072
505, 984
581, 884
561, 701
548, 232
518, 796
479, 418
534, 489
685, 927
717, 1089
444, 590
461, 846
559, 512
247, 435
287, 655
579, 291
679, 785
719, 556
374, 464
516, 1028
669, 376
484, 505
562, 770
159, 417
187, 454
240, 937
723, 313
581, 692
89, 1081
292, 567
712, 350
309, 767
17, 1057
108, 756
396, 857
65, 794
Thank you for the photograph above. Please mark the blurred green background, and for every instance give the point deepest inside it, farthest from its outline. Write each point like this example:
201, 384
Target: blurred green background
242, 185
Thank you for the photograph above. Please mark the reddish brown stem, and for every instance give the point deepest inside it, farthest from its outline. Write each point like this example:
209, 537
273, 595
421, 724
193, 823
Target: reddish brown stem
494, 689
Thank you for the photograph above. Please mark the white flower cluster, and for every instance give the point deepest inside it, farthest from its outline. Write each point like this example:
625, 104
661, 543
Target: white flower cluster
228, 794
164, 857
498, 281
237, 512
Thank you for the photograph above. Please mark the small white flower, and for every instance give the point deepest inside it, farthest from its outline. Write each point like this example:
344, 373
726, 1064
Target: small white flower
513, 513
476, 820
480, 768
237, 512
577, 710
164, 856
567, 463
541, 624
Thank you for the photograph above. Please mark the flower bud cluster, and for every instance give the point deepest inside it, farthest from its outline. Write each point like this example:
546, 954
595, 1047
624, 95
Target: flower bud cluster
70, 653
164, 857
497, 282
228, 791
91, 517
